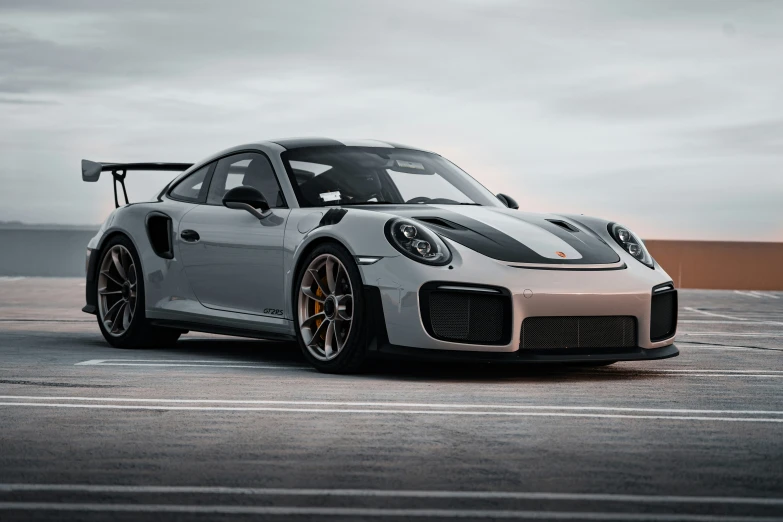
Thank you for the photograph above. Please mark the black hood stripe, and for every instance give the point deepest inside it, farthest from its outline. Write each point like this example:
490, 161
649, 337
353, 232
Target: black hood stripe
493, 243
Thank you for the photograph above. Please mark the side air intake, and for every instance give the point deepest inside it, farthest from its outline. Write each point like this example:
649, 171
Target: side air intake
466, 314
663, 312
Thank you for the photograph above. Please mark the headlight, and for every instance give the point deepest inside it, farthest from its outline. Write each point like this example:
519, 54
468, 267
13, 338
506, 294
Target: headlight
417, 242
631, 244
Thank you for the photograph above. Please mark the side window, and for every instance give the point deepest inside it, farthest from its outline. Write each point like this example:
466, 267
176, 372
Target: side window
251, 169
190, 188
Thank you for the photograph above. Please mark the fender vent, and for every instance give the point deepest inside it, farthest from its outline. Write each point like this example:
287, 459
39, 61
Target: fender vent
159, 233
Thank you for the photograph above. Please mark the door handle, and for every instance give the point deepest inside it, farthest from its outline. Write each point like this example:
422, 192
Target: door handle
190, 236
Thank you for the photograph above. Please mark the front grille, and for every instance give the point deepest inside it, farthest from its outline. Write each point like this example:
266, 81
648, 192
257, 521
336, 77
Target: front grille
663, 315
465, 316
578, 332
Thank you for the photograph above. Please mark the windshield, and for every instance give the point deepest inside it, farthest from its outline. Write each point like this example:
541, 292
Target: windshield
376, 175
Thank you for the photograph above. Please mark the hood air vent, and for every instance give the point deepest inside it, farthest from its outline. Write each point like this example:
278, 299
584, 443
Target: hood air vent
442, 223
563, 224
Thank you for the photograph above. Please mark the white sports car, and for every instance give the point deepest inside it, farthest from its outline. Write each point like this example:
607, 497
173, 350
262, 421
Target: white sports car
366, 248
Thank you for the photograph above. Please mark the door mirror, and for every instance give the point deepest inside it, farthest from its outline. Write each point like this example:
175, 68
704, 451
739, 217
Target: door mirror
249, 199
508, 201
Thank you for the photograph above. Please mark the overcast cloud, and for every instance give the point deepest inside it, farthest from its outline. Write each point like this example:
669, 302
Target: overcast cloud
665, 116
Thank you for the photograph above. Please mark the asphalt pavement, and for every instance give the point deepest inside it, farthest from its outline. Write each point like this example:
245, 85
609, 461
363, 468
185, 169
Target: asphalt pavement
215, 428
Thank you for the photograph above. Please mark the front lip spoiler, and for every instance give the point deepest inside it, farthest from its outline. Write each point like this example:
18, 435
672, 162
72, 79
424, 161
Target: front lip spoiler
533, 356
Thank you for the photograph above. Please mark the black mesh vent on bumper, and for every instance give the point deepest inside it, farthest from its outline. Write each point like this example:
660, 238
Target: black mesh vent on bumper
663, 314
475, 315
578, 332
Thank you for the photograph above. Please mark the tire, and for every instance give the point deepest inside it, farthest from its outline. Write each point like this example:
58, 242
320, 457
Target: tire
120, 297
313, 335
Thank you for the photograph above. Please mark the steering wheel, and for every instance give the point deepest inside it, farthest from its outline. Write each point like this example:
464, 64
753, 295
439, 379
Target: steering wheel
420, 199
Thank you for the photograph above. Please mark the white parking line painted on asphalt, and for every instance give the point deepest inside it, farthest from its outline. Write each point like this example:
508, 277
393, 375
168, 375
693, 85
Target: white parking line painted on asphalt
203, 364
10, 279
751, 376
711, 314
756, 294
374, 512
736, 322
182, 363
390, 493
163, 407
765, 294
748, 294
390, 404
26, 320
720, 347
733, 334
693, 370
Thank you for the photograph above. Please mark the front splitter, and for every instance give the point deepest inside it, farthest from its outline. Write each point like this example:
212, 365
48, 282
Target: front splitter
532, 356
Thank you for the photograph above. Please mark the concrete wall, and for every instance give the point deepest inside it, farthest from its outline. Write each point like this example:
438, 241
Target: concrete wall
43, 252
721, 264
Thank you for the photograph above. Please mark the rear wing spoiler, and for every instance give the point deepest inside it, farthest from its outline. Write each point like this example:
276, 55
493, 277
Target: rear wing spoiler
91, 172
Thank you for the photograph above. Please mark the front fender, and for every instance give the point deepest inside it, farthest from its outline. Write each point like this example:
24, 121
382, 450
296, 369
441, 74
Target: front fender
359, 231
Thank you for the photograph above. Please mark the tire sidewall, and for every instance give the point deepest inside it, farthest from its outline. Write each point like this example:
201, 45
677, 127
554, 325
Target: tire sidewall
355, 347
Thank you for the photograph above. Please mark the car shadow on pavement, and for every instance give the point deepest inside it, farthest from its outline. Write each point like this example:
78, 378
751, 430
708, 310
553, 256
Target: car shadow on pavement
287, 353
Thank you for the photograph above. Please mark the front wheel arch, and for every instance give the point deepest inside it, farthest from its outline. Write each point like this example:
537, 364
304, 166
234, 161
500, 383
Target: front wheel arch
354, 350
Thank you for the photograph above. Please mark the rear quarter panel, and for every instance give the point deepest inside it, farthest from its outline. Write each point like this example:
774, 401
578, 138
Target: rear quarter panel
163, 278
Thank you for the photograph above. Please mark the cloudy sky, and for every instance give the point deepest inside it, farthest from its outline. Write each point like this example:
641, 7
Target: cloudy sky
665, 116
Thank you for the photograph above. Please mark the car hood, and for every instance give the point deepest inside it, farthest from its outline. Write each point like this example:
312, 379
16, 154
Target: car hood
511, 235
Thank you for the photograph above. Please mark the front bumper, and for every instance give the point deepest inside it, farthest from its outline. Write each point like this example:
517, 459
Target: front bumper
533, 293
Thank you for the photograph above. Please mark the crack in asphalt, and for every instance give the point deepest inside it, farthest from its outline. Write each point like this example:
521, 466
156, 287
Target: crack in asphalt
734, 346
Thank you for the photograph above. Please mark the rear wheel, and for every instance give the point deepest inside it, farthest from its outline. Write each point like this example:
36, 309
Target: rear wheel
329, 308
120, 296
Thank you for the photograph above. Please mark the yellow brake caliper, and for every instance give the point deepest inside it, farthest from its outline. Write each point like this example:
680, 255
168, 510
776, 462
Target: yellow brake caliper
319, 307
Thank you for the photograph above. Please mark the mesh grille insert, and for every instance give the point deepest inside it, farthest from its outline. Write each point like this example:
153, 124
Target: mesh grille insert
578, 332
663, 318
466, 317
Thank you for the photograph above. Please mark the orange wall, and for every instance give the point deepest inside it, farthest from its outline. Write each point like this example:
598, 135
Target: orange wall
721, 264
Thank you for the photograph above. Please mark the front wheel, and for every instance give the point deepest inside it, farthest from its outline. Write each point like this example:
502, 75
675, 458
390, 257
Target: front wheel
329, 307
120, 290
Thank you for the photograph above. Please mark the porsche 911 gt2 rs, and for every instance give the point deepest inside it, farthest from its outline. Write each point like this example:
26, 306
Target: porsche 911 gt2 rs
364, 248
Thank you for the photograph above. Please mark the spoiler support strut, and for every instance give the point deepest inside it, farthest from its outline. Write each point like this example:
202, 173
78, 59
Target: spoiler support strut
119, 177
